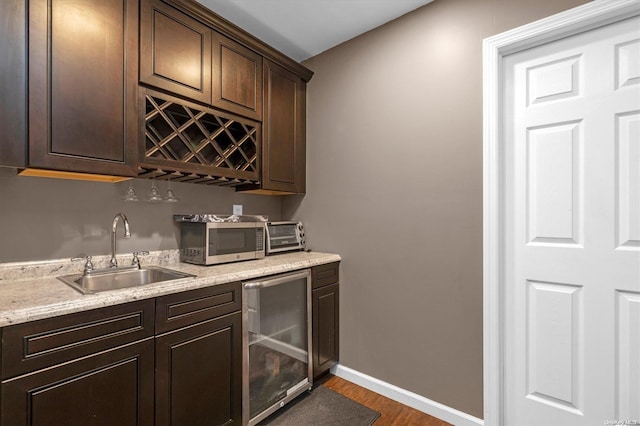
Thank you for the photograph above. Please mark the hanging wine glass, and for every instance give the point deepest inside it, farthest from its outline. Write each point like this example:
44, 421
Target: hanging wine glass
153, 196
170, 197
131, 195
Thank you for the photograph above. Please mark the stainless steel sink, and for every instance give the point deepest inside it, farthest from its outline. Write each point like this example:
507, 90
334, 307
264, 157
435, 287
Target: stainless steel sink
117, 278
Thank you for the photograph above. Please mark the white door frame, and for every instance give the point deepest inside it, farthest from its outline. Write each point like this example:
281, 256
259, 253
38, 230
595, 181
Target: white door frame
562, 25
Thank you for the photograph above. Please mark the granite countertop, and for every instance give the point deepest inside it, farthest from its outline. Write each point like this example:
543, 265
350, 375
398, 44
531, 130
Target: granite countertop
30, 290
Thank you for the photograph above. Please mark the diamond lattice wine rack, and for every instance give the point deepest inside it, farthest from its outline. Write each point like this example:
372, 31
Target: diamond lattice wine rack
192, 143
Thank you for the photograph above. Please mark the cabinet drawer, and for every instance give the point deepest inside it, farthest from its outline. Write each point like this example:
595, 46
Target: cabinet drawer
39, 344
183, 309
324, 274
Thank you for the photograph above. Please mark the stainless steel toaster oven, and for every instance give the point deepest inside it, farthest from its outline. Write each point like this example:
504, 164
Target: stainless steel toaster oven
285, 236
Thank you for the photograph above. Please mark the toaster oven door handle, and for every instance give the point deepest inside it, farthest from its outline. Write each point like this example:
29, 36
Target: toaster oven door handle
249, 285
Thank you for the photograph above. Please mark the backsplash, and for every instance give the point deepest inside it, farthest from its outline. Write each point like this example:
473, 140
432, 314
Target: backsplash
47, 268
42, 218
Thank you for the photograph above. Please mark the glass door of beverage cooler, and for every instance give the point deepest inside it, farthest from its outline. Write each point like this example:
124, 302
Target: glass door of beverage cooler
277, 342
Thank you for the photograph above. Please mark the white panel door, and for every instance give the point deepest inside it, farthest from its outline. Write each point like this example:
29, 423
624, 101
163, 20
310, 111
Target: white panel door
572, 164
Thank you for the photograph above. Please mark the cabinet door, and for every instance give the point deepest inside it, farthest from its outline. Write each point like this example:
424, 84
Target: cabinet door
237, 78
110, 388
175, 51
13, 84
283, 161
325, 301
199, 373
83, 63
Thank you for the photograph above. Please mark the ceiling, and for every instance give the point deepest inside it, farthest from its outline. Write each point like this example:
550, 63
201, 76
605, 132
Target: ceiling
303, 28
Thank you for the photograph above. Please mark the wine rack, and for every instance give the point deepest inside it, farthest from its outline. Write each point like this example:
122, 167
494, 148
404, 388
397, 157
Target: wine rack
192, 143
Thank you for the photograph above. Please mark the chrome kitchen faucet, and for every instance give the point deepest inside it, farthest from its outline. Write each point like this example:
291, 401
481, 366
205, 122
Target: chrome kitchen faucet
113, 263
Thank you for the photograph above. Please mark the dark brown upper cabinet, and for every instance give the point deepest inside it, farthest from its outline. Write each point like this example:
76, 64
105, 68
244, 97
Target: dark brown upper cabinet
83, 67
284, 127
188, 51
237, 78
13, 84
70, 101
175, 51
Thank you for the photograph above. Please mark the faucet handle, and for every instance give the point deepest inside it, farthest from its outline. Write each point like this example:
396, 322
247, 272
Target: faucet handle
88, 266
135, 261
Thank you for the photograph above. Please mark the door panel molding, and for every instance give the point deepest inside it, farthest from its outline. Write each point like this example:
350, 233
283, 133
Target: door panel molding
627, 344
556, 27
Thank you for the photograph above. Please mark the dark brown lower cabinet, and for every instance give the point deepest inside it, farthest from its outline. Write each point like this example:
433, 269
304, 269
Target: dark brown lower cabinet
113, 387
106, 367
325, 300
199, 373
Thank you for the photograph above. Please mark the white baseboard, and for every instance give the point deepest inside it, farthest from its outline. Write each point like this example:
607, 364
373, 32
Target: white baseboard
405, 397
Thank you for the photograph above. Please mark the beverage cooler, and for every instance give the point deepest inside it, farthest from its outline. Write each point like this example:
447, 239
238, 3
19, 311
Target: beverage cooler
277, 364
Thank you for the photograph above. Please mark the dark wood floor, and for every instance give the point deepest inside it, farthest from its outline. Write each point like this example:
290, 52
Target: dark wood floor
391, 412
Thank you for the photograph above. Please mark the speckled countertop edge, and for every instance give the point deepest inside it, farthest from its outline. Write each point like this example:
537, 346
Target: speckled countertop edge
24, 299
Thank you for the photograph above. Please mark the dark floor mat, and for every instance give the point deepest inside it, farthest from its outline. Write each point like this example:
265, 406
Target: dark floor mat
322, 407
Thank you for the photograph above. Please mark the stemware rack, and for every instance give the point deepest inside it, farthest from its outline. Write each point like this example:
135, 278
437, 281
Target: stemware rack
186, 142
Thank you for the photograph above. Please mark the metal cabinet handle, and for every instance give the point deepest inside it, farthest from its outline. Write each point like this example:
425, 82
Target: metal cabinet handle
251, 286
280, 279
